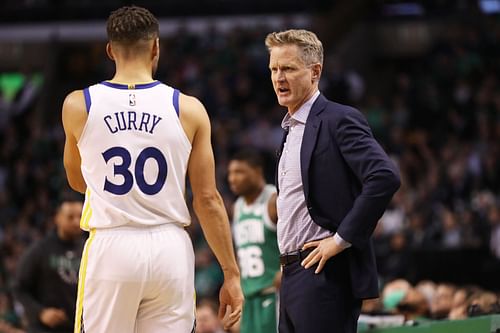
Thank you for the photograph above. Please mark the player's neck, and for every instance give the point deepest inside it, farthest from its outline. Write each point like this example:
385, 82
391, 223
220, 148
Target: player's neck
253, 195
133, 73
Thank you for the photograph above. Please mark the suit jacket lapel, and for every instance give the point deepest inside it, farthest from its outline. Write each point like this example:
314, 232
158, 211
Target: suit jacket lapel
309, 140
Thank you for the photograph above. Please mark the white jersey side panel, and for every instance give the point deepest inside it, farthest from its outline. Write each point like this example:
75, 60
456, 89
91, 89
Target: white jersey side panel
134, 157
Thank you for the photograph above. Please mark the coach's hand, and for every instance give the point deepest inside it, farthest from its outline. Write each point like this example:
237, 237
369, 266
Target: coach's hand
324, 250
231, 300
52, 317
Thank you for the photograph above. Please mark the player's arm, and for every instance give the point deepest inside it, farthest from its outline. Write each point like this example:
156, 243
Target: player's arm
208, 204
74, 116
271, 208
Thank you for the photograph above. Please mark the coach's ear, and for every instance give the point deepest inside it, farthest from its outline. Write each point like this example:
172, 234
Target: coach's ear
109, 51
316, 72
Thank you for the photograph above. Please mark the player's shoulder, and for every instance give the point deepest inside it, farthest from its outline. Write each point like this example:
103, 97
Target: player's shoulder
74, 96
190, 104
270, 188
75, 100
268, 191
192, 114
74, 110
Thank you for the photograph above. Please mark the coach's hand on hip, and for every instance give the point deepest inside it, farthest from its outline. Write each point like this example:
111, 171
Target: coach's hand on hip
324, 250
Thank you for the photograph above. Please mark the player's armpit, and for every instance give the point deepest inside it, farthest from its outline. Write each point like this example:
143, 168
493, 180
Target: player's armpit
72, 163
74, 116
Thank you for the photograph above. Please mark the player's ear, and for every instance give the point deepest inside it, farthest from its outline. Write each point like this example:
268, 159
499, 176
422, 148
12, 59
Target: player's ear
109, 51
156, 49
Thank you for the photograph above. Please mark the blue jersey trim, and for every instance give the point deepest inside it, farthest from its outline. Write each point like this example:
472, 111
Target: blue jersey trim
130, 86
176, 101
88, 101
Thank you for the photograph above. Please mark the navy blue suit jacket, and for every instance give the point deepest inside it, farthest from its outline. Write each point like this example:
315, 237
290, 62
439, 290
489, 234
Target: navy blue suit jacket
348, 182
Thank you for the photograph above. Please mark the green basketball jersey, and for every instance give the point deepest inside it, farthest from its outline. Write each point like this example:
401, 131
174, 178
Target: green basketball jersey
256, 243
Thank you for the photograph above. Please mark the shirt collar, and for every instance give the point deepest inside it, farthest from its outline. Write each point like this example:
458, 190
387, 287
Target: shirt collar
302, 113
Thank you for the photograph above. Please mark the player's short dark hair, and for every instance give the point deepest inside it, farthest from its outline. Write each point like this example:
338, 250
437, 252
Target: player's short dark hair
250, 156
130, 24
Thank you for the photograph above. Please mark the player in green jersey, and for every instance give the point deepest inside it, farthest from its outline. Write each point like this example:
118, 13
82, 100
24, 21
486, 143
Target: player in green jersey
254, 231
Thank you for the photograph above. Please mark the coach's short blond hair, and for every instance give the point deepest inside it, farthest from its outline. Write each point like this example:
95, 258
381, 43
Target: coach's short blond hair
309, 44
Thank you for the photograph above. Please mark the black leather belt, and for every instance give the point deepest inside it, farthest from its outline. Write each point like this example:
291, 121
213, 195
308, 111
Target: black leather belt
291, 257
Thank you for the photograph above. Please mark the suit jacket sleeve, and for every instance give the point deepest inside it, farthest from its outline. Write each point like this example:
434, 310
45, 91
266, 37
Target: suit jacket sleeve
377, 174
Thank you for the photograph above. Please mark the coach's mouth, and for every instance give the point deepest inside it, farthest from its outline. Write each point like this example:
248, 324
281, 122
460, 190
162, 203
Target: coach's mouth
283, 91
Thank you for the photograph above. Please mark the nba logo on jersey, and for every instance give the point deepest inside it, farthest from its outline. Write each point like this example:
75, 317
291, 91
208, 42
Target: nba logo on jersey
131, 99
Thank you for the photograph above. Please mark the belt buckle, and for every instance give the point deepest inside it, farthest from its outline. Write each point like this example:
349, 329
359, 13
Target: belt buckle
293, 256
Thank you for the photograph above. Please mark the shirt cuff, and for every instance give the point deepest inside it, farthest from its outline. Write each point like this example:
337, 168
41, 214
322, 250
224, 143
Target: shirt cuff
341, 242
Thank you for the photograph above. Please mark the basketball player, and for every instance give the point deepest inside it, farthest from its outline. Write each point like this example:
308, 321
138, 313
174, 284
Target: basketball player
129, 144
254, 230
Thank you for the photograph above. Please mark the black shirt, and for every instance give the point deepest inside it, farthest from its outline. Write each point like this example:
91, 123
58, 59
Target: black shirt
47, 276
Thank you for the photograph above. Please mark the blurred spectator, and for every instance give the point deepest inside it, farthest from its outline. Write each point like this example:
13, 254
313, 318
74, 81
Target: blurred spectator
442, 301
494, 220
428, 289
47, 276
393, 292
9, 320
428, 301
372, 306
483, 303
451, 234
460, 302
400, 297
414, 305
206, 317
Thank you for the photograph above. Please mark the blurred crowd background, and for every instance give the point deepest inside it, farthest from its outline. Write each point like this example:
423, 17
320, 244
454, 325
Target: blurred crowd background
426, 77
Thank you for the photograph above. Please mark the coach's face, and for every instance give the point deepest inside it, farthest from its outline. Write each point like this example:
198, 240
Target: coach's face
294, 82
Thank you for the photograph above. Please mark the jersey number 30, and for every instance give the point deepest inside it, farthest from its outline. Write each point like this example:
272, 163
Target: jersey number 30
124, 171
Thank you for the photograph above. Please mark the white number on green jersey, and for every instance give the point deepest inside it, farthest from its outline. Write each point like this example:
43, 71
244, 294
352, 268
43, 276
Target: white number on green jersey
251, 263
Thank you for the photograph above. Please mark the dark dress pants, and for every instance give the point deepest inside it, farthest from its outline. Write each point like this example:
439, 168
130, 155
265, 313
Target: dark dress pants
318, 303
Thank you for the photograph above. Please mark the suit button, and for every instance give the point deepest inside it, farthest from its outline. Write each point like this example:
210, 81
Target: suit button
309, 208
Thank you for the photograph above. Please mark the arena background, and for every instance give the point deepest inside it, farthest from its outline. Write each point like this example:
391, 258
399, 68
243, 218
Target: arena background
425, 74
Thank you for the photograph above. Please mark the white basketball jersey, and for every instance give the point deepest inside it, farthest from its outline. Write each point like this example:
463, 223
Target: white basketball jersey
134, 156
